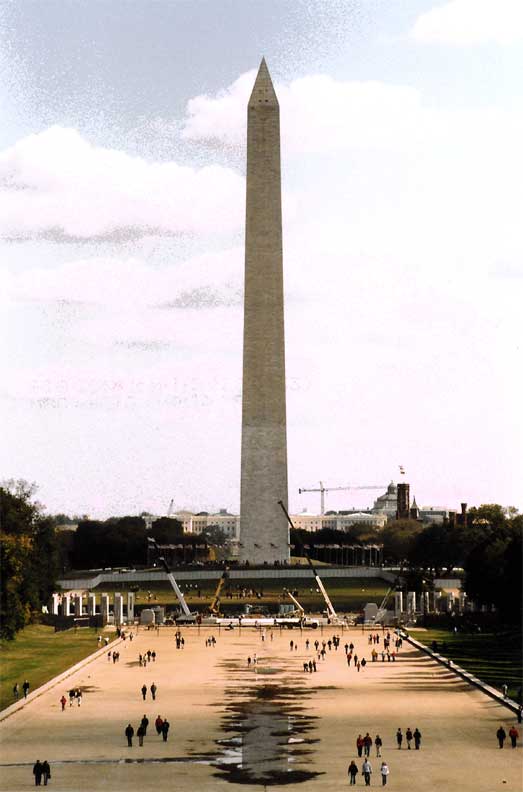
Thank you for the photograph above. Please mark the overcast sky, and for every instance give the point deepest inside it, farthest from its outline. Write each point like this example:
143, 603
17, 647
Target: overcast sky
122, 196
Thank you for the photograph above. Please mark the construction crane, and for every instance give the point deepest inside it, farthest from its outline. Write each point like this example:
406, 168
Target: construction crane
188, 616
214, 607
323, 490
299, 607
331, 613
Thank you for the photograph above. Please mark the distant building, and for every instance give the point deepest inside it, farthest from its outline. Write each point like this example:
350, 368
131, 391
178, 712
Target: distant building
387, 504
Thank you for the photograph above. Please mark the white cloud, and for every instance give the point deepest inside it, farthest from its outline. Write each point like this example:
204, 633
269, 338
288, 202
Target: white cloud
131, 282
320, 115
469, 22
57, 184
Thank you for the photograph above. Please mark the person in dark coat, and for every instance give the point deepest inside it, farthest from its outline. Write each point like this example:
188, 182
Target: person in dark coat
37, 772
153, 691
140, 734
399, 738
158, 724
378, 742
409, 736
144, 691
417, 738
359, 744
165, 729
144, 724
367, 744
352, 772
129, 733
25, 688
46, 771
501, 735
513, 734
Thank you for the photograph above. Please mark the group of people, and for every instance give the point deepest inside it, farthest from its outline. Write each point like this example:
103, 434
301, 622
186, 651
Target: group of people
25, 689
513, 733
153, 690
75, 694
210, 641
364, 744
366, 771
115, 656
41, 770
409, 736
147, 657
162, 726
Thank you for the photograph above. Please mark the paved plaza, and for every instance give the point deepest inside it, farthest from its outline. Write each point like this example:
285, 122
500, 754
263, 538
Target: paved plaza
267, 723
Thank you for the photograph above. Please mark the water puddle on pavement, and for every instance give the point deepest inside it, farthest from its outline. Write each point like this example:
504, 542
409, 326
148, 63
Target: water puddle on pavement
267, 732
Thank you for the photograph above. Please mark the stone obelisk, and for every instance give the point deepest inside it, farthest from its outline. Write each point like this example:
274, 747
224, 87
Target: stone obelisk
264, 533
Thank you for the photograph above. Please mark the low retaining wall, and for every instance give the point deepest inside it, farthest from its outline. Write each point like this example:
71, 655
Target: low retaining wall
23, 702
466, 675
234, 574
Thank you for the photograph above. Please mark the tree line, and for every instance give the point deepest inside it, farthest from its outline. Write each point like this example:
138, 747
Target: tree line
33, 553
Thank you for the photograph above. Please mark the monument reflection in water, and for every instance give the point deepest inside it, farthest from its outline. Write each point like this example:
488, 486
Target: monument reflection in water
267, 746
264, 750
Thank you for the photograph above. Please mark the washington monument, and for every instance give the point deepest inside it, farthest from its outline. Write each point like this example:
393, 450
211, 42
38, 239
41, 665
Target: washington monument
264, 533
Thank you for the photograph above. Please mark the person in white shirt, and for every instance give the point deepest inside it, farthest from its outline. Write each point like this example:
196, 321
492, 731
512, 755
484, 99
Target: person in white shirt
384, 770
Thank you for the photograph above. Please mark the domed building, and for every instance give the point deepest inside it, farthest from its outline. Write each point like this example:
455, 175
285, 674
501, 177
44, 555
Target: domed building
388, 502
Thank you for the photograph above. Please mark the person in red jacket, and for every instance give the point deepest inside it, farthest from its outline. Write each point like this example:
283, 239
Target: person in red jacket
513, 734
359, 744
63, 702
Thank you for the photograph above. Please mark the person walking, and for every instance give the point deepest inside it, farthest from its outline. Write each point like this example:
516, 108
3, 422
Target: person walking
16, 690
513, 734
63, 702
37, 772
129, 733
504, 690
158, 725
352, 772
366, 770
46, 771
367, 744
399, 738
144, 691
153, 690
501, 735
79, 696
378, 743
359, 744
144, 724
25, 688
417, 738
165, 729
384, 770
140, 733
409, 736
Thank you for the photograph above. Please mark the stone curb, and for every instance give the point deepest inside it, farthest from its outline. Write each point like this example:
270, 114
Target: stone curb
23, 702
465, 675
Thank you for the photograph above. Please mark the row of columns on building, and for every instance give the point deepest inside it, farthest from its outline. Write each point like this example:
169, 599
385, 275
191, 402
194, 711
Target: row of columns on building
431, 602
79, 605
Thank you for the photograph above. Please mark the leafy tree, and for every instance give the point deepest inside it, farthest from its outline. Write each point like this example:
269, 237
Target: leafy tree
437, 546
493, 569
398, 538
118, 541
28, 556
166, 530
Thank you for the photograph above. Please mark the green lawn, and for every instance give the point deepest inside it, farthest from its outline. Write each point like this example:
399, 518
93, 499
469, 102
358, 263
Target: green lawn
39, 654
349, 594
495, 658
